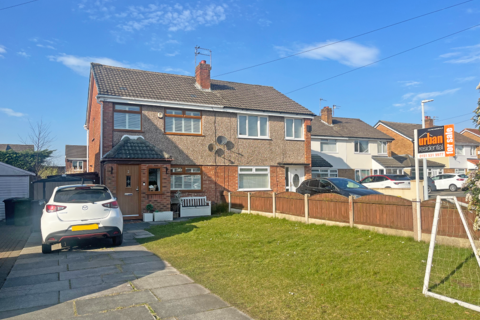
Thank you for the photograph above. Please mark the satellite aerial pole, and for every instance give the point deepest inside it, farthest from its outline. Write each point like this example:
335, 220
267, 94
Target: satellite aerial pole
321, 105
333, 109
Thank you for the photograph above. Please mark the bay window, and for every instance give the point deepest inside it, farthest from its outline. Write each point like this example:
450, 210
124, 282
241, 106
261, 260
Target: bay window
127, 117
252, 126
361, 146
328, 145
185, 178
183, 122
253, 178
294, 129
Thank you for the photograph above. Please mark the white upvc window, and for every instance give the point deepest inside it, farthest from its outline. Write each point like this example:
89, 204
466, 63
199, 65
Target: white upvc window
472, 151
382, 147
361, 173
459, 150
293, 129
394, 171
252, 126
77, 165
253, 178
460, 171
324, 173
379, 171
329, 145
361, 146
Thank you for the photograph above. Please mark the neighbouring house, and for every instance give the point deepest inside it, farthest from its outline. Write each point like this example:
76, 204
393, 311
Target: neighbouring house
14, 182
151, 135
403, 144
344, 147
75, 159
403, 164
473, 134
16, 147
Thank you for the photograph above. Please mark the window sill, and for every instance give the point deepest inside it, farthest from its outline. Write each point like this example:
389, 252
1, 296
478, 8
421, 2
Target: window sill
155, 192
128, 130
254, 189
184, 134
290, 139
254, 138
182, 191
361, 153
330, 152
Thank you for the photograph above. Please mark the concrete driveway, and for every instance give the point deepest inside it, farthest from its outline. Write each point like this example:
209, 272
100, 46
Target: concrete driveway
99, 281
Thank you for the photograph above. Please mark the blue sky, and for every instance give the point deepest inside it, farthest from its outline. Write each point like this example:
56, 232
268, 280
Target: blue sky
45, 56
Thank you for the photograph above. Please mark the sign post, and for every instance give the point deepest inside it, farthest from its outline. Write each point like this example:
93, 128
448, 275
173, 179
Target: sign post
434, 142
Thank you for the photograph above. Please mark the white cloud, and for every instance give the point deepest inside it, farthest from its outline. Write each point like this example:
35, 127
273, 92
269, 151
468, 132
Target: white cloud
157, 44
410, 83
463, 54
465, 79
46, 46
264, 22
23, 54
176, 70
398, 104
172, 54
81, 65
429, 95
2, 50
12, 113
407, 95
348, 53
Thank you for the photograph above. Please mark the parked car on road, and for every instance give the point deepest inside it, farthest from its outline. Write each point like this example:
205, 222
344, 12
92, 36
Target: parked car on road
431, 184
342, 186
386, 181
450, 181
78, 212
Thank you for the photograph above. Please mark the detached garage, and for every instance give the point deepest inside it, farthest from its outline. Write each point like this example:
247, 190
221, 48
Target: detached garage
14, 182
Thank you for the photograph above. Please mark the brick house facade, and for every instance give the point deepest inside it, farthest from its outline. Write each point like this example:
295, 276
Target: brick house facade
264, 133
75, 159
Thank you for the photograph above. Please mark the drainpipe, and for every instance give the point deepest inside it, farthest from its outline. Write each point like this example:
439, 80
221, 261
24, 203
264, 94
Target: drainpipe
101, 139
88, 134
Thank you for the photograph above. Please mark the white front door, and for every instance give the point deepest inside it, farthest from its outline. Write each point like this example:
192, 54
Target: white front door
294, 176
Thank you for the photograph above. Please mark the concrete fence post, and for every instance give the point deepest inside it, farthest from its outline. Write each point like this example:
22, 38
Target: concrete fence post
229, 202
274, 205
350, 211
306, 208
249, 202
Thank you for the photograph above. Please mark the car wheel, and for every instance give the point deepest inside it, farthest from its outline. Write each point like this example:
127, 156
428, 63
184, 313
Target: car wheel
118, 240
453, 188
46, 248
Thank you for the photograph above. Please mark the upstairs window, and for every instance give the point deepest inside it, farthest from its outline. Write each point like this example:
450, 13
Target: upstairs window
361, 146
459, 150
183, 122
294, 129
127, 118
252, 127
328, 145
77, 165
382, 147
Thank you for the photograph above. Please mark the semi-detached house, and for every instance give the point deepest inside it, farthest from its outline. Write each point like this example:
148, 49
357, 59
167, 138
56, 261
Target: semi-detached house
153, 134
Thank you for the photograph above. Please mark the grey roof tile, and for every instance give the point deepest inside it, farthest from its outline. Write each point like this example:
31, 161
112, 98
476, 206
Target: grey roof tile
16, 147
346, 127
136, 149
318, 161
75, 152
403, 161
132, 83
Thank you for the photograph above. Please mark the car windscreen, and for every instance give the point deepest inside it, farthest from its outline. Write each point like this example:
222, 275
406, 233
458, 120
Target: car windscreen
464, 176
82, 195
399, 177
346, 184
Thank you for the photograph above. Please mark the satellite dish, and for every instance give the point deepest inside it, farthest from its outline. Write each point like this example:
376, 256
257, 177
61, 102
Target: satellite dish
229, 145
211, 147
219, 152
221, 140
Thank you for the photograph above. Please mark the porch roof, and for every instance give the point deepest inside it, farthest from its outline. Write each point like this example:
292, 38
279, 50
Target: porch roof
136, 149
318, 161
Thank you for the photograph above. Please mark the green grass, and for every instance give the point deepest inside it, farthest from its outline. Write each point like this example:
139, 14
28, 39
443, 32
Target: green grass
278, 269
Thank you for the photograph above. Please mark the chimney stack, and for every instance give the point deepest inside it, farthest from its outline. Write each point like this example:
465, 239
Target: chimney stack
428, 122
202, 75
326, 115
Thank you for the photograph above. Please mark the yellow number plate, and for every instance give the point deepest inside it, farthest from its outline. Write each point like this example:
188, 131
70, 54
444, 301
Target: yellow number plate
85, 227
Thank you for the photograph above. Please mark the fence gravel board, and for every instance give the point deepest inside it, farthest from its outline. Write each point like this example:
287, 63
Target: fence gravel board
328, 206
383, 211
290, 203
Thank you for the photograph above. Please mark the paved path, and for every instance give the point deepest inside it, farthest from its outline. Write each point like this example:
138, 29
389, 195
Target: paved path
12, 241
105, 282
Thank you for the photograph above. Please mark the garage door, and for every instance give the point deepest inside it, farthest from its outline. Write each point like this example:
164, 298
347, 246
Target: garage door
12, 186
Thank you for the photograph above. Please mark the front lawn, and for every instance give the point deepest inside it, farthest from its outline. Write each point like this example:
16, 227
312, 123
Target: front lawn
278, 269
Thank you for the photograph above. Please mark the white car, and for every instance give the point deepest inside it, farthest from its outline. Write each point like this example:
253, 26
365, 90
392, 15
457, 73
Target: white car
450, 181
386, 181
79, 212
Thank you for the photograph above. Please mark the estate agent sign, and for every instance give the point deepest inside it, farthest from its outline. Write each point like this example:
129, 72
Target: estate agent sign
436, 142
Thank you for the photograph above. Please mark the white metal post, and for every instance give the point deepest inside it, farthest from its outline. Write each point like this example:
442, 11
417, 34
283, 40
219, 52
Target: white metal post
433, 237
417, 182
465, 225
425, 169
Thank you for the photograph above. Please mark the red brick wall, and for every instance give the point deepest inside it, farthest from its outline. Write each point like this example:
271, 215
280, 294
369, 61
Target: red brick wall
69, 167
400, 145
93, 130
110, 178
107, 127
160, 201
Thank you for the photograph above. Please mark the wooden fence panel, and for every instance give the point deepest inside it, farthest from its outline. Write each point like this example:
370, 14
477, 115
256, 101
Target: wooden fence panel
328, 206
290, 203
450, 223
261, 201
239, 200
383, 211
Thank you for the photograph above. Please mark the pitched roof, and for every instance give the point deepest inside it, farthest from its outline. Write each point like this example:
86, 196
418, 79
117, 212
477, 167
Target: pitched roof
408, 129
16, 147
75, 152
473, 131
403, 161
347, 128
318, 161
8, 170
136, 149
132, 83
